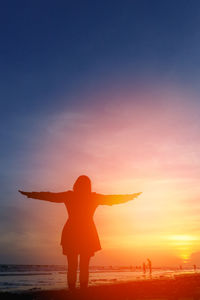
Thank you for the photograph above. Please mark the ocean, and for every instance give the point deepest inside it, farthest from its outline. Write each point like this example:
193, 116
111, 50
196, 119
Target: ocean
20, 278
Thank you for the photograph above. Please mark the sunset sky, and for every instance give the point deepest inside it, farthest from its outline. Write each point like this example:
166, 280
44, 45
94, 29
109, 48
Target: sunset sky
109, 89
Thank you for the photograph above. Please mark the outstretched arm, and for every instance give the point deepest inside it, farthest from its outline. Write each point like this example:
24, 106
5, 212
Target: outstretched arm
114, 199
47, 196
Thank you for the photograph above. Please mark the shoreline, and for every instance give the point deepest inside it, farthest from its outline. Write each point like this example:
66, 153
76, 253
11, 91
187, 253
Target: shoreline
182, 286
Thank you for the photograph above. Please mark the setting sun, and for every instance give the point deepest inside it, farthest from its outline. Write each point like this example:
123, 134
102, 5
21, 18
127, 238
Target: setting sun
184, 245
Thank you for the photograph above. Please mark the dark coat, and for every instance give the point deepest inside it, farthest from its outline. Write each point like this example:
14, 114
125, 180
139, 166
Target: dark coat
79, 234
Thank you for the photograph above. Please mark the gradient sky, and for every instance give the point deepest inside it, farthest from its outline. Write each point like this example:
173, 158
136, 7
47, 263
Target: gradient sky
109, 89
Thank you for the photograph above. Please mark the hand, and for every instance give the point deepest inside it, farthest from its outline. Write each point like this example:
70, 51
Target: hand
137, 194
23, 193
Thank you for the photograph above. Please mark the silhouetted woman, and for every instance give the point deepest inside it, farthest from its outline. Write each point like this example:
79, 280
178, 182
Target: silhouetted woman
79, 235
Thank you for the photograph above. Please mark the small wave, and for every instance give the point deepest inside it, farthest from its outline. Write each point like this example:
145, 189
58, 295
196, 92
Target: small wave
95, 280
16, 284
23, 274
35, 289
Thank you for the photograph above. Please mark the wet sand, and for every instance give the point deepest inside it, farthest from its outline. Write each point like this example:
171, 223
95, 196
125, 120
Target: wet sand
182, 287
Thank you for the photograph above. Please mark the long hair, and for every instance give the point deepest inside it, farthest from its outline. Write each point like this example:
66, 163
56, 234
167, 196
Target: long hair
82, 185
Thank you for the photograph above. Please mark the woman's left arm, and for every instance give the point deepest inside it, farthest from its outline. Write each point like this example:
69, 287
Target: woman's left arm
47, 196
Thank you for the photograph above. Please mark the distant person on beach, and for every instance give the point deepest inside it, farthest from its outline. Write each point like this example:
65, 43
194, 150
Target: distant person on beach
149, 265
144, 267
79, 235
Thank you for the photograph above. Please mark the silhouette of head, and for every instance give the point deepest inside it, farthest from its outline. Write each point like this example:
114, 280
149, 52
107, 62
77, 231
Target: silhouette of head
82, 185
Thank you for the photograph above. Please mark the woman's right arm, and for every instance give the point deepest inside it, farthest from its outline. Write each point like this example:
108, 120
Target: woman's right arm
47, 196
114, 199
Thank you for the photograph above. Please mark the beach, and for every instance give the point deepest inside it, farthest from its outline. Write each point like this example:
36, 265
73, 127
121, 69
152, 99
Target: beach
24, 278
185, 286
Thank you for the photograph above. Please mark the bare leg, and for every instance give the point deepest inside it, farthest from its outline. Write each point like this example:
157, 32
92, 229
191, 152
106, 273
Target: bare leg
72, 270
84, 270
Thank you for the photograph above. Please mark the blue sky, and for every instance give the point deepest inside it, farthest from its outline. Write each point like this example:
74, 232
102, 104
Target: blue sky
76, 57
